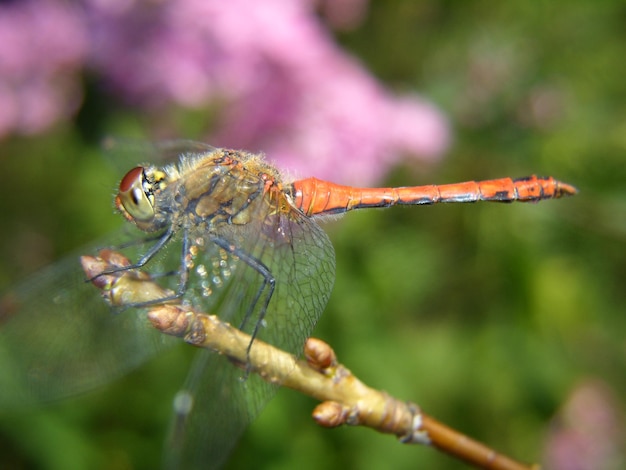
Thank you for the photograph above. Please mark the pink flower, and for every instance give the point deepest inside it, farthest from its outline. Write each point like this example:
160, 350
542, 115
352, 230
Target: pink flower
588, 431
270, 71
42, 46
282, 84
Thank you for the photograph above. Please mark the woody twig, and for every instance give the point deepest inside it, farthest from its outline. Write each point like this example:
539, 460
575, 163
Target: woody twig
344, 398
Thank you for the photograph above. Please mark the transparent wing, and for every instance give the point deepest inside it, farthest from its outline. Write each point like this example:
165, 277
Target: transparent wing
219, 399
59, 338
122, 152
212, 411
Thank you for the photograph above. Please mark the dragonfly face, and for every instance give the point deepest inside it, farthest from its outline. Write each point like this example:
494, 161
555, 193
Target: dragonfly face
136, 197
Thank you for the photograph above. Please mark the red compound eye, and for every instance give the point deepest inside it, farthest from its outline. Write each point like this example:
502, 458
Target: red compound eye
133, 198
131, 178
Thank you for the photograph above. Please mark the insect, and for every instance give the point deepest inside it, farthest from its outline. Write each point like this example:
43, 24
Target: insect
220, 230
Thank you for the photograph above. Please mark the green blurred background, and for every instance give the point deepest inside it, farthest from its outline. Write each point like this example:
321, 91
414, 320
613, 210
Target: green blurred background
490, 317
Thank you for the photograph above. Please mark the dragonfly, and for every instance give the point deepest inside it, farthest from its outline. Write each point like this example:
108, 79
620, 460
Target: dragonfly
219, 230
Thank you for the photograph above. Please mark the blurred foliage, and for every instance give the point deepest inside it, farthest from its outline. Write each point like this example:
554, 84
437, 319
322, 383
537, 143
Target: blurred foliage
488, 316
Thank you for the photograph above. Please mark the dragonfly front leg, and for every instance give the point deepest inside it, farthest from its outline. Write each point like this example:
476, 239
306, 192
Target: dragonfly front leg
162, 240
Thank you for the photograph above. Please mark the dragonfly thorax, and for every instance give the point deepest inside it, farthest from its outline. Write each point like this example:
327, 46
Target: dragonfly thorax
219, 191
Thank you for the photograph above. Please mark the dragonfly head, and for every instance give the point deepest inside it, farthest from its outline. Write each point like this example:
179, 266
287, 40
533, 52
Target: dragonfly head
136, 197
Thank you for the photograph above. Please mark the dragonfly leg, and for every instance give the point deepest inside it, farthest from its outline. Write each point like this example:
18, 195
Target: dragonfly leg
268, 285
183, 272
154, 249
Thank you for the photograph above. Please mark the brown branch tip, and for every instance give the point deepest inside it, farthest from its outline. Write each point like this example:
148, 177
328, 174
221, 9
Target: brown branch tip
344, 398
